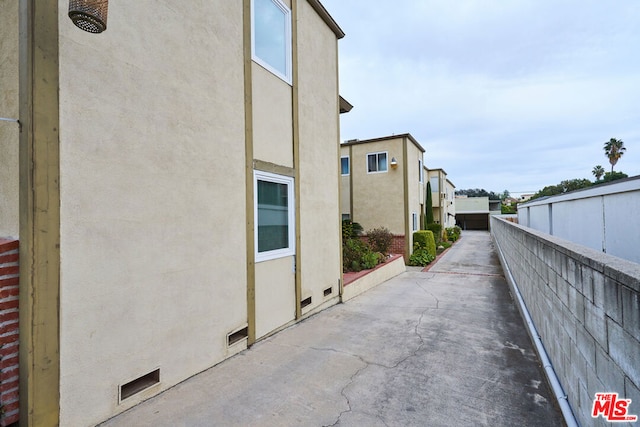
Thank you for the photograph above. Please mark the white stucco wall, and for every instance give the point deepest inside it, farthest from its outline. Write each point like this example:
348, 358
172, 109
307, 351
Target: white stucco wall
472, 205
601, 217
152, 199
414, 188
9, 131
319, 169
378, 198
272, 118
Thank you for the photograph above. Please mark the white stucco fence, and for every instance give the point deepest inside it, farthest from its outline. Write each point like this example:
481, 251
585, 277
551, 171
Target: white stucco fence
604, 217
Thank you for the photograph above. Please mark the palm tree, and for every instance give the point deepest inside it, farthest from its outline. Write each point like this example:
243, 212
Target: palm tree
598, 171
614, 149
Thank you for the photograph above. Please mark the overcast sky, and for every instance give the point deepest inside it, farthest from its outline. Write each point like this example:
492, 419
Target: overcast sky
509, 94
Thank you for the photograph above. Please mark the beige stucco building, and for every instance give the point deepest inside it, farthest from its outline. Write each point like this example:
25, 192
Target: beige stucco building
472, 213
383, 185
442, 197
176, 176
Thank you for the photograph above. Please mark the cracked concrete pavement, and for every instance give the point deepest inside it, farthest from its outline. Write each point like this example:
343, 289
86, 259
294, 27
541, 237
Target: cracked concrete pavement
445, 347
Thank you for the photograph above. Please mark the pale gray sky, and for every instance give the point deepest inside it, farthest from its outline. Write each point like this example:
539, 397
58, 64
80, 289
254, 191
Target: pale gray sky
510, 94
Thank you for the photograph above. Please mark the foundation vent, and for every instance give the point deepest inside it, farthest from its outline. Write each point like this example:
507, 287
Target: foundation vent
328, 291
305, 302
142, 383
237, 336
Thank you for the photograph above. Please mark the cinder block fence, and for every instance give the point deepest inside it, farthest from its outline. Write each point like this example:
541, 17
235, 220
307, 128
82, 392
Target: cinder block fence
9, 278
586, 307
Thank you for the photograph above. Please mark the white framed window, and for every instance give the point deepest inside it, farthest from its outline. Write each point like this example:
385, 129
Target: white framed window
271, 36
274, 216
414, 217
344, 165
435, 184
377, 162
420, 172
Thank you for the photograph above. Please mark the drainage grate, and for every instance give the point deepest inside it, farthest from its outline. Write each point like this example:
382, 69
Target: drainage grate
136, 386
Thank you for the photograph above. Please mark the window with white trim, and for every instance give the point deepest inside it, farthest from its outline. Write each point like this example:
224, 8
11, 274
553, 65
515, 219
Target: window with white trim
414, 217
344, 165
420, 172
271, 36
274, 216
377, 162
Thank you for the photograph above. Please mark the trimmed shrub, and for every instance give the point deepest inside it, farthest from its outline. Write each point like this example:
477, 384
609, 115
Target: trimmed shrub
380, 240
423, 239
436, 229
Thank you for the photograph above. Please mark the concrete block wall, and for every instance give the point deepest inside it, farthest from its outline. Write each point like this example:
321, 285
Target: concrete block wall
9, 278
586, 308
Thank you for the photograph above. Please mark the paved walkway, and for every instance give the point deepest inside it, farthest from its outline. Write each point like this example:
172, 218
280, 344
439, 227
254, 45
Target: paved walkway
440, 348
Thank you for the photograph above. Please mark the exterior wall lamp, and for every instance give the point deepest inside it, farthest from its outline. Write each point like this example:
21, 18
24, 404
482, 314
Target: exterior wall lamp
89, 15
394, 163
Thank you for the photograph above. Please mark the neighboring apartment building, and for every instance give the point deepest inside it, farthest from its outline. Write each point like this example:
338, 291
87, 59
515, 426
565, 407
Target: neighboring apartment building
177, 174
383, 186
443, 198
472, 213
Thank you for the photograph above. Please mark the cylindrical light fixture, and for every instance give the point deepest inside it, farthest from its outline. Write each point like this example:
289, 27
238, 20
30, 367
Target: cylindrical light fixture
89, 15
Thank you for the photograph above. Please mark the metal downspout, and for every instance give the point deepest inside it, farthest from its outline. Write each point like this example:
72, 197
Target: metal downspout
558, 391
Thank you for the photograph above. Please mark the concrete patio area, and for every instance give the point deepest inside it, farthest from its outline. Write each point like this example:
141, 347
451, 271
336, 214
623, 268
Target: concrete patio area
445, 347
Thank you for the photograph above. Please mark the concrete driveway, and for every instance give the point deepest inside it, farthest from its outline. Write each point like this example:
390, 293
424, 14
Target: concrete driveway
440, 348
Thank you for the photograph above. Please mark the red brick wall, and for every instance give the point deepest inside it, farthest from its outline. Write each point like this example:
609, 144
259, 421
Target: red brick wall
397, 246
9, 277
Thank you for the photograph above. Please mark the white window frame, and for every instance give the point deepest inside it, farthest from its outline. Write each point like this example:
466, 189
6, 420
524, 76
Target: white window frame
288, 59
277, 179
386, 153
414, 218
348, 166
421, 172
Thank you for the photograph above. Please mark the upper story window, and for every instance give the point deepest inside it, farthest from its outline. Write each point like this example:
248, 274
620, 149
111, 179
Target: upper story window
435, 184
344, 165
420, 172
271, 36
377, 162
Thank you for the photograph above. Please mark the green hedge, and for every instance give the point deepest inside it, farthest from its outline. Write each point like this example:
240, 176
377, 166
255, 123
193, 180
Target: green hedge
436, 229
423, 239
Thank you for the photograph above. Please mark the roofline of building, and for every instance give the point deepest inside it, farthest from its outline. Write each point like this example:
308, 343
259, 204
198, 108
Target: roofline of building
436, 169
345, 106
452, 184
384, 138
326, 17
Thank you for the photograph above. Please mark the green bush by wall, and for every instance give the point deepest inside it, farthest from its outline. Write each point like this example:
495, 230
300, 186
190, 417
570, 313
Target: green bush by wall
424, 240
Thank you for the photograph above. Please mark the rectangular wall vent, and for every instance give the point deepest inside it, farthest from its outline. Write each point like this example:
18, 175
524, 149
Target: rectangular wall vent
136, 386
305, 302
328, 292
237, 336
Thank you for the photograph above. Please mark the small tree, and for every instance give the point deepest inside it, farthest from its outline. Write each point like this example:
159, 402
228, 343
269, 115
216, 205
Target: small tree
614, 149
598, 171
429, 205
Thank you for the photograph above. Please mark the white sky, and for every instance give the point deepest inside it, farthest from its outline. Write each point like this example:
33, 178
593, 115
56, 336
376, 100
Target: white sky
509, 94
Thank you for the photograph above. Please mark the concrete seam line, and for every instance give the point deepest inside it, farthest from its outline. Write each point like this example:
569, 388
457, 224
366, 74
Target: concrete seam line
558, 391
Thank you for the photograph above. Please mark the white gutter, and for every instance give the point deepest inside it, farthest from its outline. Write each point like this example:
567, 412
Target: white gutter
556, 387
